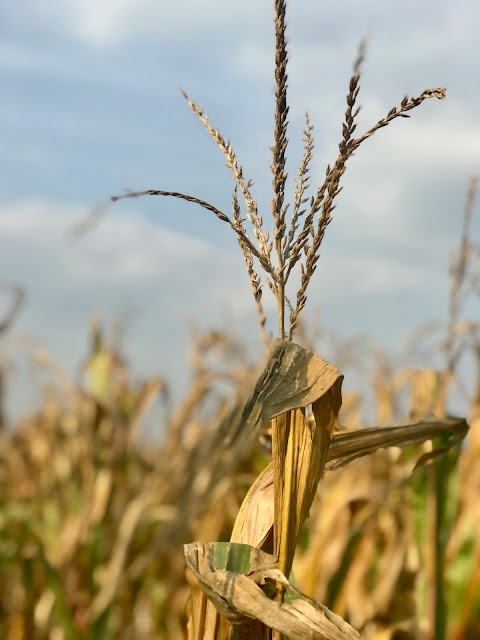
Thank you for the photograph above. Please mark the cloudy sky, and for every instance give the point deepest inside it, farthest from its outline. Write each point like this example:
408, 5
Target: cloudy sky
90, 106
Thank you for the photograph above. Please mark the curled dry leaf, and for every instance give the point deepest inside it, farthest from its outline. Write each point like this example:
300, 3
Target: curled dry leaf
291, 377
254, 521
232, 575
305, 445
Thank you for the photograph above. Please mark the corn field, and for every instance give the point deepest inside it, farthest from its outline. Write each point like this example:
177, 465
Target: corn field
274, 508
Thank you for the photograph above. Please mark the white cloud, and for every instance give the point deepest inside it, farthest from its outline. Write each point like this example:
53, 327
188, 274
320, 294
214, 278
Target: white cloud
389, 235
163, 277
124, 250
107, 23
369, 275
127, 264
126, 261
452, 137
129, 260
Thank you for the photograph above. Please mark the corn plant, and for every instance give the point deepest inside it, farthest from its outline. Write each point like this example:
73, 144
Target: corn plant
297, 393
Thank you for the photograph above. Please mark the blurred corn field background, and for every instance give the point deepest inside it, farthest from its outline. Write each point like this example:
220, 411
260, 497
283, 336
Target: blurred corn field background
93, 519
294, 516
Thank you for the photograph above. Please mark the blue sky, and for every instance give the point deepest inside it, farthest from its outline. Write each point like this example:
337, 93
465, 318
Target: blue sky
90, 106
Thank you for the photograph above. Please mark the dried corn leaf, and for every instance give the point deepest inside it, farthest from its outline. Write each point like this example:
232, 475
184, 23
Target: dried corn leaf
346, 447
254, 521
292, 377
233, 576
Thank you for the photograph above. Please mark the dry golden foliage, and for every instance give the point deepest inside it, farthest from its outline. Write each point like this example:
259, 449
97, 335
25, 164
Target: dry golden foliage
94, 523
72, 477
237, 588
280, 499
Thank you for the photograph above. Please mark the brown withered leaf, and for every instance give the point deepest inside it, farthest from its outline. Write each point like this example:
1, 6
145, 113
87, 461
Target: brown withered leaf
255, 519
235, 588
291, 377
346, 447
